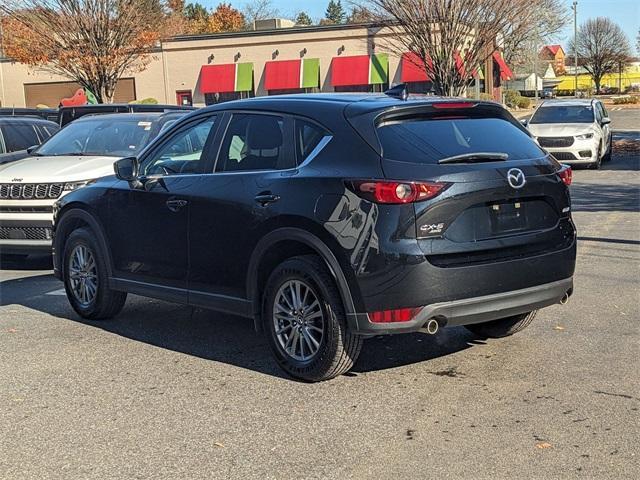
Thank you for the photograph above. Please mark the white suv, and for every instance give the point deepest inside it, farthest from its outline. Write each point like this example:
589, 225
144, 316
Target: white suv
77, 155
576, 132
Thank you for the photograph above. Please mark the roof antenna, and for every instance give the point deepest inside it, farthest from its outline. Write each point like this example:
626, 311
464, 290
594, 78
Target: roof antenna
400, 92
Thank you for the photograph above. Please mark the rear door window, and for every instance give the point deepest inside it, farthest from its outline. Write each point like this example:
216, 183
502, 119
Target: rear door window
19, 137
254, 142
307, 136
427, 140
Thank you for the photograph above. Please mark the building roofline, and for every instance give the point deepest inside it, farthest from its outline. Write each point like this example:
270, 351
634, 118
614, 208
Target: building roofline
274, 31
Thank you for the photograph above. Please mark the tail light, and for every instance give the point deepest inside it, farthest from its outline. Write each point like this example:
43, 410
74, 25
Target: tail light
392, 192
393, 316
566, 174
447, 105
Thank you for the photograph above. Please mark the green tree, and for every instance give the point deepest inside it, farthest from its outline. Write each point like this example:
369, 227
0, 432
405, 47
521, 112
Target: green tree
196, 18
303, 19
335, 12
195, 11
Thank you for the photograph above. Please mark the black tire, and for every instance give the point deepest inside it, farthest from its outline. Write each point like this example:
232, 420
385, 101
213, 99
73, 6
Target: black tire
105, 303
607, 155
503, 327
338, 348
598, 164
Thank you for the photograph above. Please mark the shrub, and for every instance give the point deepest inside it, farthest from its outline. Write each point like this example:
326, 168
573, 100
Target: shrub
145, 101
486, 96
625, 99
511, 98
524, 102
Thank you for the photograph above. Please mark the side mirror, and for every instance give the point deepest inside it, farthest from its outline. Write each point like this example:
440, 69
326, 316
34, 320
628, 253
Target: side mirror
126, 169
605, 121
524, 122
32, 149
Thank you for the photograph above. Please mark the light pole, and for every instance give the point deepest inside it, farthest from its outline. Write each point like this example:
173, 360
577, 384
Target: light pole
575, 45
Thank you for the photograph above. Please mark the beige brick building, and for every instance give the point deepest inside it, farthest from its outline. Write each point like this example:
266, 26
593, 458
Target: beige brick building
205, 69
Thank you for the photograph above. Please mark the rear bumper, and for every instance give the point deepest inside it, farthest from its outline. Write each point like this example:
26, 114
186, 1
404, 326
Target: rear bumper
473, 310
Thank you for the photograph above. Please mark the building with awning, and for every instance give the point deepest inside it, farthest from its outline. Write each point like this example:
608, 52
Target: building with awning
292, 76
212, 68
360, 73
230, 81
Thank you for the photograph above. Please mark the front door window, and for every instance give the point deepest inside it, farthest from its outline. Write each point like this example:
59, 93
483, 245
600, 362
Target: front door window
183, 154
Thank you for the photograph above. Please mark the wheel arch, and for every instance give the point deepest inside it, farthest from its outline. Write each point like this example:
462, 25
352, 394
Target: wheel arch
294, 241
70, 218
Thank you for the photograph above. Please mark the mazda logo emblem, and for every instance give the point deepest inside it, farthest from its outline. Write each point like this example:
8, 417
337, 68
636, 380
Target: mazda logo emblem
516, 178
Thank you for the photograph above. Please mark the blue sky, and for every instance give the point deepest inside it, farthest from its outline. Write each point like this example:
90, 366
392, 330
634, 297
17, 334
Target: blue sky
625, 13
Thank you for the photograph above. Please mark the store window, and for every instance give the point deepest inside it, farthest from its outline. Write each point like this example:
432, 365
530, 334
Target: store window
420, 87
289, 91
215, 98
368, 88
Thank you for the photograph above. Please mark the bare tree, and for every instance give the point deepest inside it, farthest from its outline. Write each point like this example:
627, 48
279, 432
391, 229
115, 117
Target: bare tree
523, 39
450, 38
603, 47
259, 10
93, 42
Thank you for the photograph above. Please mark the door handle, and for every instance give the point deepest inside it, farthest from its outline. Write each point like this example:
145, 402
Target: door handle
265, 199
176, 204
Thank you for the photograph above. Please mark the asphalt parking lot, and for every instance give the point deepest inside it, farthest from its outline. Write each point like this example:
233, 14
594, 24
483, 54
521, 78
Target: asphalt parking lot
165, 391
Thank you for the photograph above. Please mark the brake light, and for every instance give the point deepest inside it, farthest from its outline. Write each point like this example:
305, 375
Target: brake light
445, 105
392, 192
393, 316
566, 174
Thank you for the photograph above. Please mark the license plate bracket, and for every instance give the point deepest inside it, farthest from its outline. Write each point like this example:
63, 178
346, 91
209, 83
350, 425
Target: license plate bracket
507, 217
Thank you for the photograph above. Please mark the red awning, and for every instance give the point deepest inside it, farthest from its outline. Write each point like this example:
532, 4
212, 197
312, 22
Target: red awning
352, 70
282, 74
459, 64
413, 68
505, 71
218, 78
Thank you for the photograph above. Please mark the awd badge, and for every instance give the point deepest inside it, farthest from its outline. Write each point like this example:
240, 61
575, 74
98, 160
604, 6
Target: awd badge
432, 228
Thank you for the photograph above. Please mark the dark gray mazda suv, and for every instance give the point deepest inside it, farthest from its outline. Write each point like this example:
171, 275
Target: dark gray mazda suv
327, 219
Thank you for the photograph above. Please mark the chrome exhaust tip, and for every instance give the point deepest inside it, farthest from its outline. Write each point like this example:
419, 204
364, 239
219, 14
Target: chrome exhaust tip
432, 326
565, 299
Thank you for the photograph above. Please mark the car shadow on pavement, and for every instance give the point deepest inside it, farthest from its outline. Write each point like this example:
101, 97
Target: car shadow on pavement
219, 337
593, 197
32, 262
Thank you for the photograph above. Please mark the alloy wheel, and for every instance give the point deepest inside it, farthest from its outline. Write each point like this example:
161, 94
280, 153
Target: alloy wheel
298, 320
83, 275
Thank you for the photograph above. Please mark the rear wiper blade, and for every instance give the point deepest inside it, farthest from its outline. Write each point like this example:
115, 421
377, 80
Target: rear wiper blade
475, 157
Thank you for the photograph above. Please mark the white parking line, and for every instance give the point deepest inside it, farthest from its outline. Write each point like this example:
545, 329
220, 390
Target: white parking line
60, 292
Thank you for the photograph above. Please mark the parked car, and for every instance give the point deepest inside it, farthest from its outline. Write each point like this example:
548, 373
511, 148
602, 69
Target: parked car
75, 156
17, 134
576, 132
327, 219
50, 114
69, 114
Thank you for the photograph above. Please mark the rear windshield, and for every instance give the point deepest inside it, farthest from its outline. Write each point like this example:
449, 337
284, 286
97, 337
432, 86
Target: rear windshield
427, 140
562, 114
